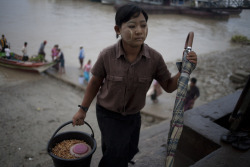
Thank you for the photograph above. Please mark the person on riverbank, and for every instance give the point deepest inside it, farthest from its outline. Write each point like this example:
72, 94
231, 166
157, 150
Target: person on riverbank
62, 61
192, 94
41, 52
7, 52
3, 43
86, 70
54, 55
157, 91
81, 56
24, 51
122, 76
54, 52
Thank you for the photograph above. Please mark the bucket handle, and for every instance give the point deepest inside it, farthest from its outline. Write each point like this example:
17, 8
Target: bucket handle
70, 122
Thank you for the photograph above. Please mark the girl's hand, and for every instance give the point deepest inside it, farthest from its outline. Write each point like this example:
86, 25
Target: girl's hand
192, 57
79, 117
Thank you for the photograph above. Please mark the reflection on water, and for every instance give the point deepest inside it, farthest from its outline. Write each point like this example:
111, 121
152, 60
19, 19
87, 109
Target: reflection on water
72, 23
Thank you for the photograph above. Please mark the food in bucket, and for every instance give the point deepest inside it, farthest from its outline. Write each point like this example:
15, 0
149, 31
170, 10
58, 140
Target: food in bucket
71, 149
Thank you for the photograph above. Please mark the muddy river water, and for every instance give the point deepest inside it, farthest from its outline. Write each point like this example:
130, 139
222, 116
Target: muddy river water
75, 23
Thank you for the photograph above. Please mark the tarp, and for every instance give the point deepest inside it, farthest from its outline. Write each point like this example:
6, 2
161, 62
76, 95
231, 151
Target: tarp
176, 124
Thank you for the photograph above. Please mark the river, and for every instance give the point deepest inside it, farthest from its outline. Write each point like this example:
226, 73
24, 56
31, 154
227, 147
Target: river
75, 23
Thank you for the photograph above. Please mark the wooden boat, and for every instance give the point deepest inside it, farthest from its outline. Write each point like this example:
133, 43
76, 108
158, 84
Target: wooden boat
16, 62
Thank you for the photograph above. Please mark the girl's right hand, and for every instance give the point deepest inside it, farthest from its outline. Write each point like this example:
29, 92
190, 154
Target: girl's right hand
79, 117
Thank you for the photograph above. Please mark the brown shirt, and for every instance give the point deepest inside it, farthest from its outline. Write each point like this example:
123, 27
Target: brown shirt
126, 84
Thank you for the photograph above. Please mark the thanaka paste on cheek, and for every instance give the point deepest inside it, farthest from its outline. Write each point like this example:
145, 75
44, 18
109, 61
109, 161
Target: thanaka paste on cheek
129, 35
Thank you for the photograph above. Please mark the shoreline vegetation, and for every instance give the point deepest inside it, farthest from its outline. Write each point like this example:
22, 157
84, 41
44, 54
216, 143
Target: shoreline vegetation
240, 39
33, 106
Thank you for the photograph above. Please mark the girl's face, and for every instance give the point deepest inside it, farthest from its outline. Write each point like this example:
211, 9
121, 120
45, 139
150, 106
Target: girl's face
133, 32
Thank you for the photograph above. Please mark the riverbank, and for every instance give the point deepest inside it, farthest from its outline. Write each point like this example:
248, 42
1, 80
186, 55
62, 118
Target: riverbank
33, 106
204, 13
213, 79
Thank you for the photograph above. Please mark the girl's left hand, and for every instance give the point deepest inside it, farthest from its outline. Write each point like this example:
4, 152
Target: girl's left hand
192, 57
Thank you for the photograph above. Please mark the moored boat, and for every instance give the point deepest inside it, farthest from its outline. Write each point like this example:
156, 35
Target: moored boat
16, 62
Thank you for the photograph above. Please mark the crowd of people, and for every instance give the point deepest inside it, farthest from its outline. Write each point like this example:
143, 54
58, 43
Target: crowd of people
56, 54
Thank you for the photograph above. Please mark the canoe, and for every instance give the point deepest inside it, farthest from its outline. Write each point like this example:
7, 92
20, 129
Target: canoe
16, 62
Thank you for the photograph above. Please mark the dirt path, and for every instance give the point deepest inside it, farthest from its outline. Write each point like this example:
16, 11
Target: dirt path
33, 106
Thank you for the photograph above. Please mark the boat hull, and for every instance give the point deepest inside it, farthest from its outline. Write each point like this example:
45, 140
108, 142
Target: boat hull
25, 65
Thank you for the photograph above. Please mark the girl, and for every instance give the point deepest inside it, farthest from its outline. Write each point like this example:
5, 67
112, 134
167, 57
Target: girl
122, 76
86, 70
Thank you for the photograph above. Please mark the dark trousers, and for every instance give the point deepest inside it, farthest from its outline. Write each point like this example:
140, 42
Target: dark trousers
120, 137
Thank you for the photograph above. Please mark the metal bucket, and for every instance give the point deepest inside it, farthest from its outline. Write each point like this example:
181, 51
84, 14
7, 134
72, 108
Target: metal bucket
57, 138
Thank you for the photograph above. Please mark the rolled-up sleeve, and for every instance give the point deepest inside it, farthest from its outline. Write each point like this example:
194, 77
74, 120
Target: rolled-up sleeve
98, 69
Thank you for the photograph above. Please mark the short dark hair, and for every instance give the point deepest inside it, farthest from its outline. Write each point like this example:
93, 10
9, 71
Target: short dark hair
193, 80
126, 12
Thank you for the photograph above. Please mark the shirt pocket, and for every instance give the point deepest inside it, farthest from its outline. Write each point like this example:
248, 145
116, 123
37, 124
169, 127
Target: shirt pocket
143, 83
115, 82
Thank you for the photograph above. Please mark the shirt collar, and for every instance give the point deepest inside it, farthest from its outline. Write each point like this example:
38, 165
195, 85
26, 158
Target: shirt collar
119, 49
